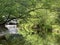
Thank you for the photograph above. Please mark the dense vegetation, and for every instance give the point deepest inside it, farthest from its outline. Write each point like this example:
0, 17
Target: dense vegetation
39, 21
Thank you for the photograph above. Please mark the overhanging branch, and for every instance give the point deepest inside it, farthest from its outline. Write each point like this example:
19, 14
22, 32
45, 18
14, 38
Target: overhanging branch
7, 20
36, 9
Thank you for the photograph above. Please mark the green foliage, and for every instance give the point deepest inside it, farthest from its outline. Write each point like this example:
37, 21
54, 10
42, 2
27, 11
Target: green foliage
38, 21
16, 39
12, 9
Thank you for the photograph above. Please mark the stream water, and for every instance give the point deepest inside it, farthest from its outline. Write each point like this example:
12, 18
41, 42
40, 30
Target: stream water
12, 29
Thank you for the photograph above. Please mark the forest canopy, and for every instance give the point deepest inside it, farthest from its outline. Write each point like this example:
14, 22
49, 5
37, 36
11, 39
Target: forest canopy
39, 20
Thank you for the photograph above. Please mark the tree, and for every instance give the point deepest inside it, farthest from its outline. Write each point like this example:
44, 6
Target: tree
11, 10
41, 13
